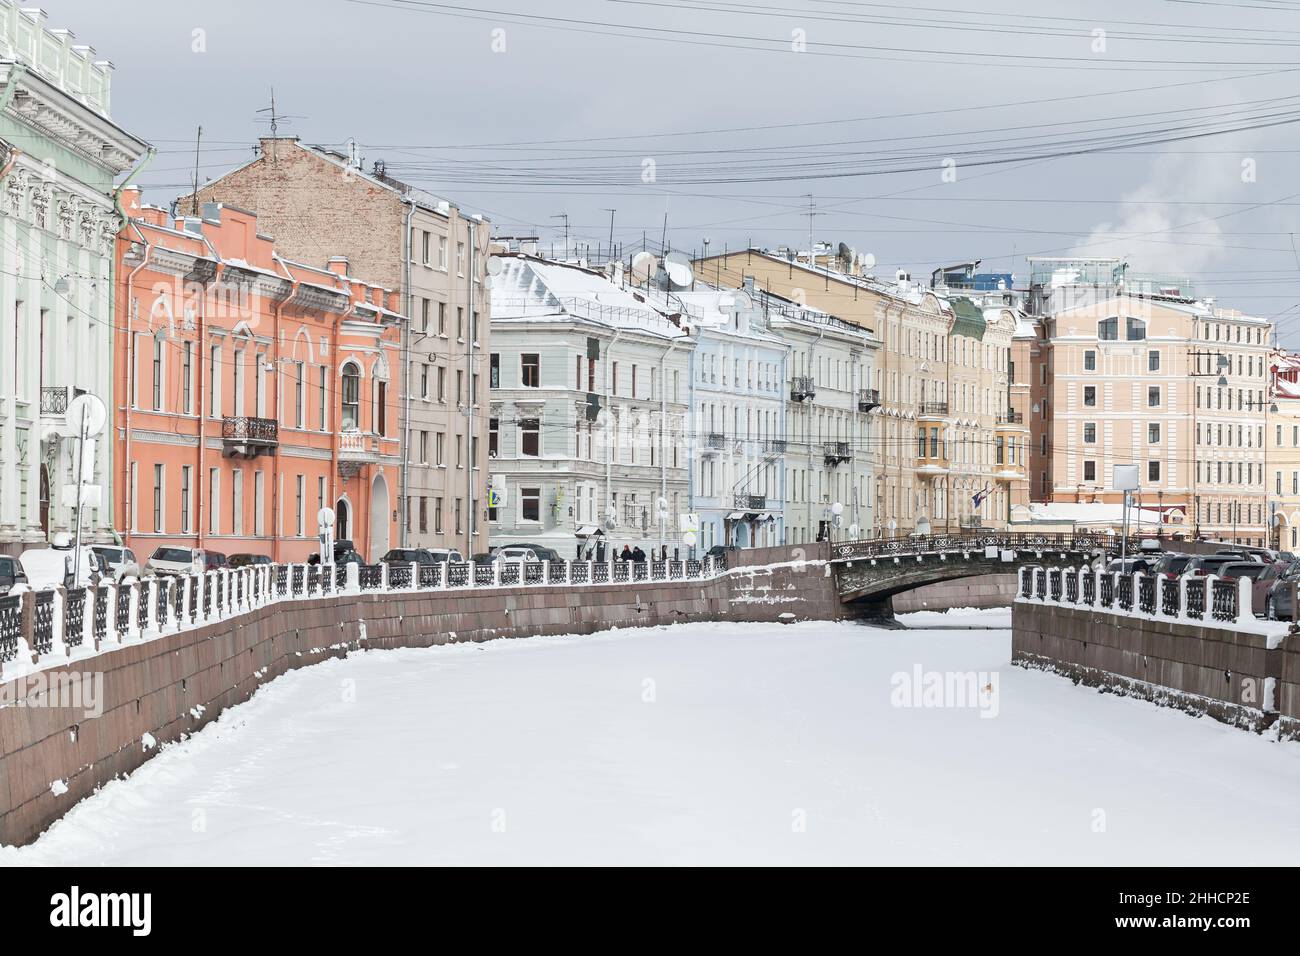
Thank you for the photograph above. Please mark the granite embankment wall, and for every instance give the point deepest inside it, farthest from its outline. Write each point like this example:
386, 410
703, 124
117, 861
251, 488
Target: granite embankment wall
1239, 677
985, 590
161, 688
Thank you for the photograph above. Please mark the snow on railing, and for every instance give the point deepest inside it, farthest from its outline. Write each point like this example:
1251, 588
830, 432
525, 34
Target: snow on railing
1152, 596
38, 628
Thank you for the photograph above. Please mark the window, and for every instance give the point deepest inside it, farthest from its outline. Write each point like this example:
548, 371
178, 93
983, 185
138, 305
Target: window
442, 384
494, 433
424, 381
442, 254
530, 368
1089, 361
1153, 396
424, 447
1090, 395
300, 491
1153, 433
381, 408
494, 370
442, 314
424, 248
214, 381
437, 516
424, 514
214, 496
1137, 330
1089, 472
158, 499
1153, 361
187, 378
1108, 330
530, 504
1089, 433
157, 372
237, 503
1153, 471
322, 400
439, 443
424, 314
185, 498
529, 437
460, 258
298, 385
351, 397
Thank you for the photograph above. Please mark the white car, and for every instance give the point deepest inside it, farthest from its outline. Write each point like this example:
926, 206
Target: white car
48, 568
120, 562
169, 559
515, 554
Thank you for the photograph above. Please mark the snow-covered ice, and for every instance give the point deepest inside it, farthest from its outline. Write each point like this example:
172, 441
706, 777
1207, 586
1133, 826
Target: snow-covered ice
703, 743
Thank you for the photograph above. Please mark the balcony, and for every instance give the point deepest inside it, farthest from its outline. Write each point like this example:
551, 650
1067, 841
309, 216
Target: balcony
245, 436
750, 502
868, 399
55, 399
714, 442
836, 453
802, 388
1011, 417
932, 410
774, 446
356, 450
933, 466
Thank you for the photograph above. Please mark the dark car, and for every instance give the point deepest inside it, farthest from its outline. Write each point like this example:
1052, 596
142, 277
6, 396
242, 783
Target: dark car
11, 574
1172, 564
1235, 570
246, 559
1264, 583
1280, 604
1146, 565
345, 553
213, 560
411, 556
1204, 564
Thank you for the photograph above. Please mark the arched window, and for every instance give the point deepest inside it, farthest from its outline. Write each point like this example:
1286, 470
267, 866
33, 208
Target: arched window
351, 397
1108, 330
1137, 330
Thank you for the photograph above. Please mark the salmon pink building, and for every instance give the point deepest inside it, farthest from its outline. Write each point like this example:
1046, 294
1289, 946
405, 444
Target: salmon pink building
251, 390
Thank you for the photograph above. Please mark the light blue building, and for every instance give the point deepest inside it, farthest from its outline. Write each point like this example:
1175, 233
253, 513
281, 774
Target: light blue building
737, 421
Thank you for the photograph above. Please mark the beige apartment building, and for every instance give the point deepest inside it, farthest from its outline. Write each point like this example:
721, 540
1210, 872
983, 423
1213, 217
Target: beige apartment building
1282, 438
946, 452
320, 203
1170, 384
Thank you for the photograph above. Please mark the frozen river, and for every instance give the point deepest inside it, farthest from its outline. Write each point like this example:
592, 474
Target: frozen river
703, 743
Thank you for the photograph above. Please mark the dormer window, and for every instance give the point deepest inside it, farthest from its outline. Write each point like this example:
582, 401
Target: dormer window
1108, 330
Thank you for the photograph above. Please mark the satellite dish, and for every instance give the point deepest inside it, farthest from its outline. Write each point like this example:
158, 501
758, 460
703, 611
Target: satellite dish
86, 415
494, 265
678, 267
868, 262
643, 266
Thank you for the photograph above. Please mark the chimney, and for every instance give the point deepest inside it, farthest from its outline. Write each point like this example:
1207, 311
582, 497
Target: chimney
339, 266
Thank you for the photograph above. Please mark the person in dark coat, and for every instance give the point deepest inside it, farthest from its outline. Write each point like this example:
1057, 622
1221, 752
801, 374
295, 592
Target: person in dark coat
626, 554
638, 554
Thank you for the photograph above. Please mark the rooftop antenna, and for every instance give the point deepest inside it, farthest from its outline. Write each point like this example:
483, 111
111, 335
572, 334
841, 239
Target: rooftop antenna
611, 230
194, 204
276, 118
565, 217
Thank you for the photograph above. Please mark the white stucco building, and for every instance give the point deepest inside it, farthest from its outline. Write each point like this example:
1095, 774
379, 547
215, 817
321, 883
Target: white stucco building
60, 153
589, 382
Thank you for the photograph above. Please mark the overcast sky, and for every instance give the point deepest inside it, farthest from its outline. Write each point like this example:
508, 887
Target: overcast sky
735, 112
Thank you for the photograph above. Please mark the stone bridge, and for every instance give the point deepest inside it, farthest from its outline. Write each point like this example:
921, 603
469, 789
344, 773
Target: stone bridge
869, 573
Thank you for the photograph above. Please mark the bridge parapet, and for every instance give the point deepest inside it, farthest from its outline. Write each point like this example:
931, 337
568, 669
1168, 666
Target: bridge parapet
1200, 599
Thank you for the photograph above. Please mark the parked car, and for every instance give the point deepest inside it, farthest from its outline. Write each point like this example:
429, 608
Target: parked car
345, 553
720, 550
118, 562
246, 559
1146, 565
1235, 570
11, 575
212, 560
513, 553
1264, 583
1210, 563
445, 554
542, 552
1173, 564
1280, 606
169, 559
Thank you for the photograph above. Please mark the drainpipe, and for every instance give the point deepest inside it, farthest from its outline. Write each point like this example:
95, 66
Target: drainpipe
812, 352
112, 282
275, 363
127, 372
469, 394
663, 431
402, 505
609, 416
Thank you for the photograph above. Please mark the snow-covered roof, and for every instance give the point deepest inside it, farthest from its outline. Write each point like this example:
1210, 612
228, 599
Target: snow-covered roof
1089, 513
529, 288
